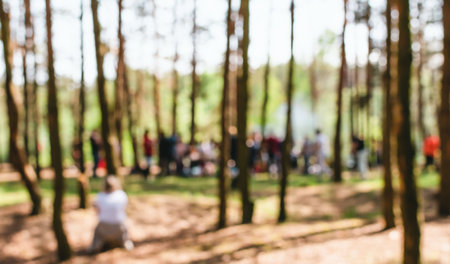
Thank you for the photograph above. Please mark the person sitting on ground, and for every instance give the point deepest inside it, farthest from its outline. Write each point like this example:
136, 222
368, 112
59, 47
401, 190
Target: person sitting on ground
111, 230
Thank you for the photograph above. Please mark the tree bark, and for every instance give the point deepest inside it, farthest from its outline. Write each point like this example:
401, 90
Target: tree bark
120, 83
83, 182
444, 118
225, 143
17, 156
420, 86
405, 151
369, 76
105, 131
265, 97
337, 177
175, 79
388, 191
194, 77
242, 97
64, 251
155, 78
286, 148
26, 101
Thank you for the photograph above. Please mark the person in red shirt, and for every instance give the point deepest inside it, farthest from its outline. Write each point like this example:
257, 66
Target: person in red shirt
148, 148
430, 148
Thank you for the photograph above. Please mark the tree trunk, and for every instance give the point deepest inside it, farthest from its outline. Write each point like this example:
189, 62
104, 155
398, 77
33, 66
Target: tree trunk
369, 78
420, 86
242, 97
131, 119
83, 182
64, 251
120, 83
17, 156
405, 151
30, 46
175, 79
388, 192
106, 134
26, 101
444, 118
337, 177
265, 97
313, 85
225, 143
286, 150
155, 78
194, 77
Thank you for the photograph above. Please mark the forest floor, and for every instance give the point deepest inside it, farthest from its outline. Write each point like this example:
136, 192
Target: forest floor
173, 221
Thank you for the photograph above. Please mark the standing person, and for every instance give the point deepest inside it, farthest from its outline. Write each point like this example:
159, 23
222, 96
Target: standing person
322, 149
96, 145
148, 148
360, 152
111, 230
306, 152
430, 148
273, 149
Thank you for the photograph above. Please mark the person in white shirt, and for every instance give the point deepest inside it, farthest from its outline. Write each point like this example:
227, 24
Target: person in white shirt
110, 205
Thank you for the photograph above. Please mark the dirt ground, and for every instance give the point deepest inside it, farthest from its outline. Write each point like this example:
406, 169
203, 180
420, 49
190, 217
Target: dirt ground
325, 226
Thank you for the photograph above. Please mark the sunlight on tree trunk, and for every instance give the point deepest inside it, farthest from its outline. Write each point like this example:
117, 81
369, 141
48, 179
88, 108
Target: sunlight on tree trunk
64, 251
17, 155
409, 200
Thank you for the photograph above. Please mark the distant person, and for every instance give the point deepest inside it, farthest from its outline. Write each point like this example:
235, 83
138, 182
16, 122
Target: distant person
273, 149
306, 152
322, 151
111, 230
96, 145
360, 152
430, 148
148, 148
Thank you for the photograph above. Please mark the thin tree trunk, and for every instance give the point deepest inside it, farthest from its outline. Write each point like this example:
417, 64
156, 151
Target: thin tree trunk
131, 120
83, 182
337, 177
17, 156
444, 118
265, 97
225, 143
119, 91
388, 192
194, 77
420, 86
286, 149
155, 78
369, 76
175, 79
105, 131
30, 45
242, 97
313, 85
26, 101
405, 151
64, 251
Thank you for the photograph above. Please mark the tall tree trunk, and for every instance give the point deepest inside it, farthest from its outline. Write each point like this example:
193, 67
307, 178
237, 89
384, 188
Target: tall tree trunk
64, 251
31, 47
388, 192
444, 118
106, 134
194, 77
369, 75
313, 85
17, 156
265, 97
131, 119
26, 101
175, 79
119, 91
242, 97
286, 149
405, 151
155, 78
420, 86
83, 182
337, 177
225, 143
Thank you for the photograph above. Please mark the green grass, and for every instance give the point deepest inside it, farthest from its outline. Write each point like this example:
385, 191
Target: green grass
262, 186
